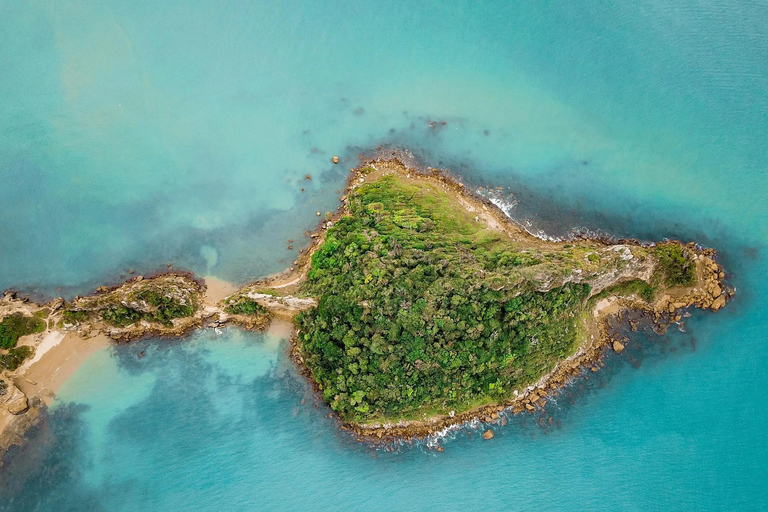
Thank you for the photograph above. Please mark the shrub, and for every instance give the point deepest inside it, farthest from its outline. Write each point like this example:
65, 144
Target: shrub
121, 316
17, 325
245, 306
675, 264
73, 316
15, 357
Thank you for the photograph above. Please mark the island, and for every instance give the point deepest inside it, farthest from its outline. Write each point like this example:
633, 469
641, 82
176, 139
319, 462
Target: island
416, 306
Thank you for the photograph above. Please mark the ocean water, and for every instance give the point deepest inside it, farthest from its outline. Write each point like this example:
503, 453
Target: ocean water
135, 134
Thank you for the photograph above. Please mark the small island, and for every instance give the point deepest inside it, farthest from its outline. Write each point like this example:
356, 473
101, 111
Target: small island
418, 305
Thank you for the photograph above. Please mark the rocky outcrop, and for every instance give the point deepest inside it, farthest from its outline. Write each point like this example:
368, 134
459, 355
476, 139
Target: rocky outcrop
145, 297
13, 399
287, 302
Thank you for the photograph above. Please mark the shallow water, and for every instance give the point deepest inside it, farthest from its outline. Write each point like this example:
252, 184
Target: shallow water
134, 135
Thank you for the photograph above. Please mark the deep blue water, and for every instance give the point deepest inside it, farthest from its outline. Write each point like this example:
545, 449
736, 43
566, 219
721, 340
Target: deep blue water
142, 133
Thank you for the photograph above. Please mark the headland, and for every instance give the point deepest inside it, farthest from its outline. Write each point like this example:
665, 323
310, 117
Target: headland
417, 305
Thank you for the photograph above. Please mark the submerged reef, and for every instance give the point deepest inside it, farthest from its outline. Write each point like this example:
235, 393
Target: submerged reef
418, 305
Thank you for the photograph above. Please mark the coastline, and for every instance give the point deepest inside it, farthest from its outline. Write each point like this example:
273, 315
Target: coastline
63, 348
711, 293
40, 379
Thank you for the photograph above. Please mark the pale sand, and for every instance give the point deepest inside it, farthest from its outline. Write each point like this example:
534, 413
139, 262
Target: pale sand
45, 376
217, 290
50, 340
280, 329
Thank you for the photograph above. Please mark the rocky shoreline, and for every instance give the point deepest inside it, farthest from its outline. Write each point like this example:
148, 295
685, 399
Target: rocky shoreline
709, 293
663, 313
174, 303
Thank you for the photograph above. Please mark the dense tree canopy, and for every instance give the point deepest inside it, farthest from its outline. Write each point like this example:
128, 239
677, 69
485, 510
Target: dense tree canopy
422, 309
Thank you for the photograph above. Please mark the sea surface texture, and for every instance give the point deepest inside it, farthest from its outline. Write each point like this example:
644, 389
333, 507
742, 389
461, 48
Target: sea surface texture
136, 134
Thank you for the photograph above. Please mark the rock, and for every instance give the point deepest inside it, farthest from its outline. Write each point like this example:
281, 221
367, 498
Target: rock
131, 271
439, 448
19, 406
714, 289
718, 303
487, 435
14, 400
495, 416
335, 159
671, 307
529, 407
139, 278
318, 214
102, 289
533, 397
618, 347
56, 304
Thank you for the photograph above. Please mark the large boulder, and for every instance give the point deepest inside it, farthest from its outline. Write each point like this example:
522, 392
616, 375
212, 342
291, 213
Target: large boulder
14, 400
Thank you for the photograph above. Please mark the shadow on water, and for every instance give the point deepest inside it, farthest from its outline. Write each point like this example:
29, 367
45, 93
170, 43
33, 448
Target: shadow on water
42, 473
643, 348
47, 472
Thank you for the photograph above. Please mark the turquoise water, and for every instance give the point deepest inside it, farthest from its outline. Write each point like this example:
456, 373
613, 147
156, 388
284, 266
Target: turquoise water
138, 134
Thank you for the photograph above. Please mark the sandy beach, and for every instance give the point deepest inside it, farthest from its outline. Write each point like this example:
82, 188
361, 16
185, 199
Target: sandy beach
55, 363
217, 290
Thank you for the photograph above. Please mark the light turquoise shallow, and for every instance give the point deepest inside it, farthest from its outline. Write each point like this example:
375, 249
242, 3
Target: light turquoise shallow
134, 134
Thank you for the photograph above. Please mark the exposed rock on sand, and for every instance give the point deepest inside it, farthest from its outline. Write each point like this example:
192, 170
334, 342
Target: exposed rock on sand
14, 401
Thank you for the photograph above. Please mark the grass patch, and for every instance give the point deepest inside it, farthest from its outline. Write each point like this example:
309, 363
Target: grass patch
17, 325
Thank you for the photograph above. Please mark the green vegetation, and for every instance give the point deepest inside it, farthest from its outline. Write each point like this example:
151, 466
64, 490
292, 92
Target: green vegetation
121, 316
43, 313
422, 309
646, 291
245, 306
17, 325
74, 316
166, 309
15, 357
675, 264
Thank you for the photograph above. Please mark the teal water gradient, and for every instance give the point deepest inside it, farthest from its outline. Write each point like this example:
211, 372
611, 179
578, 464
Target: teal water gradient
136, 134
